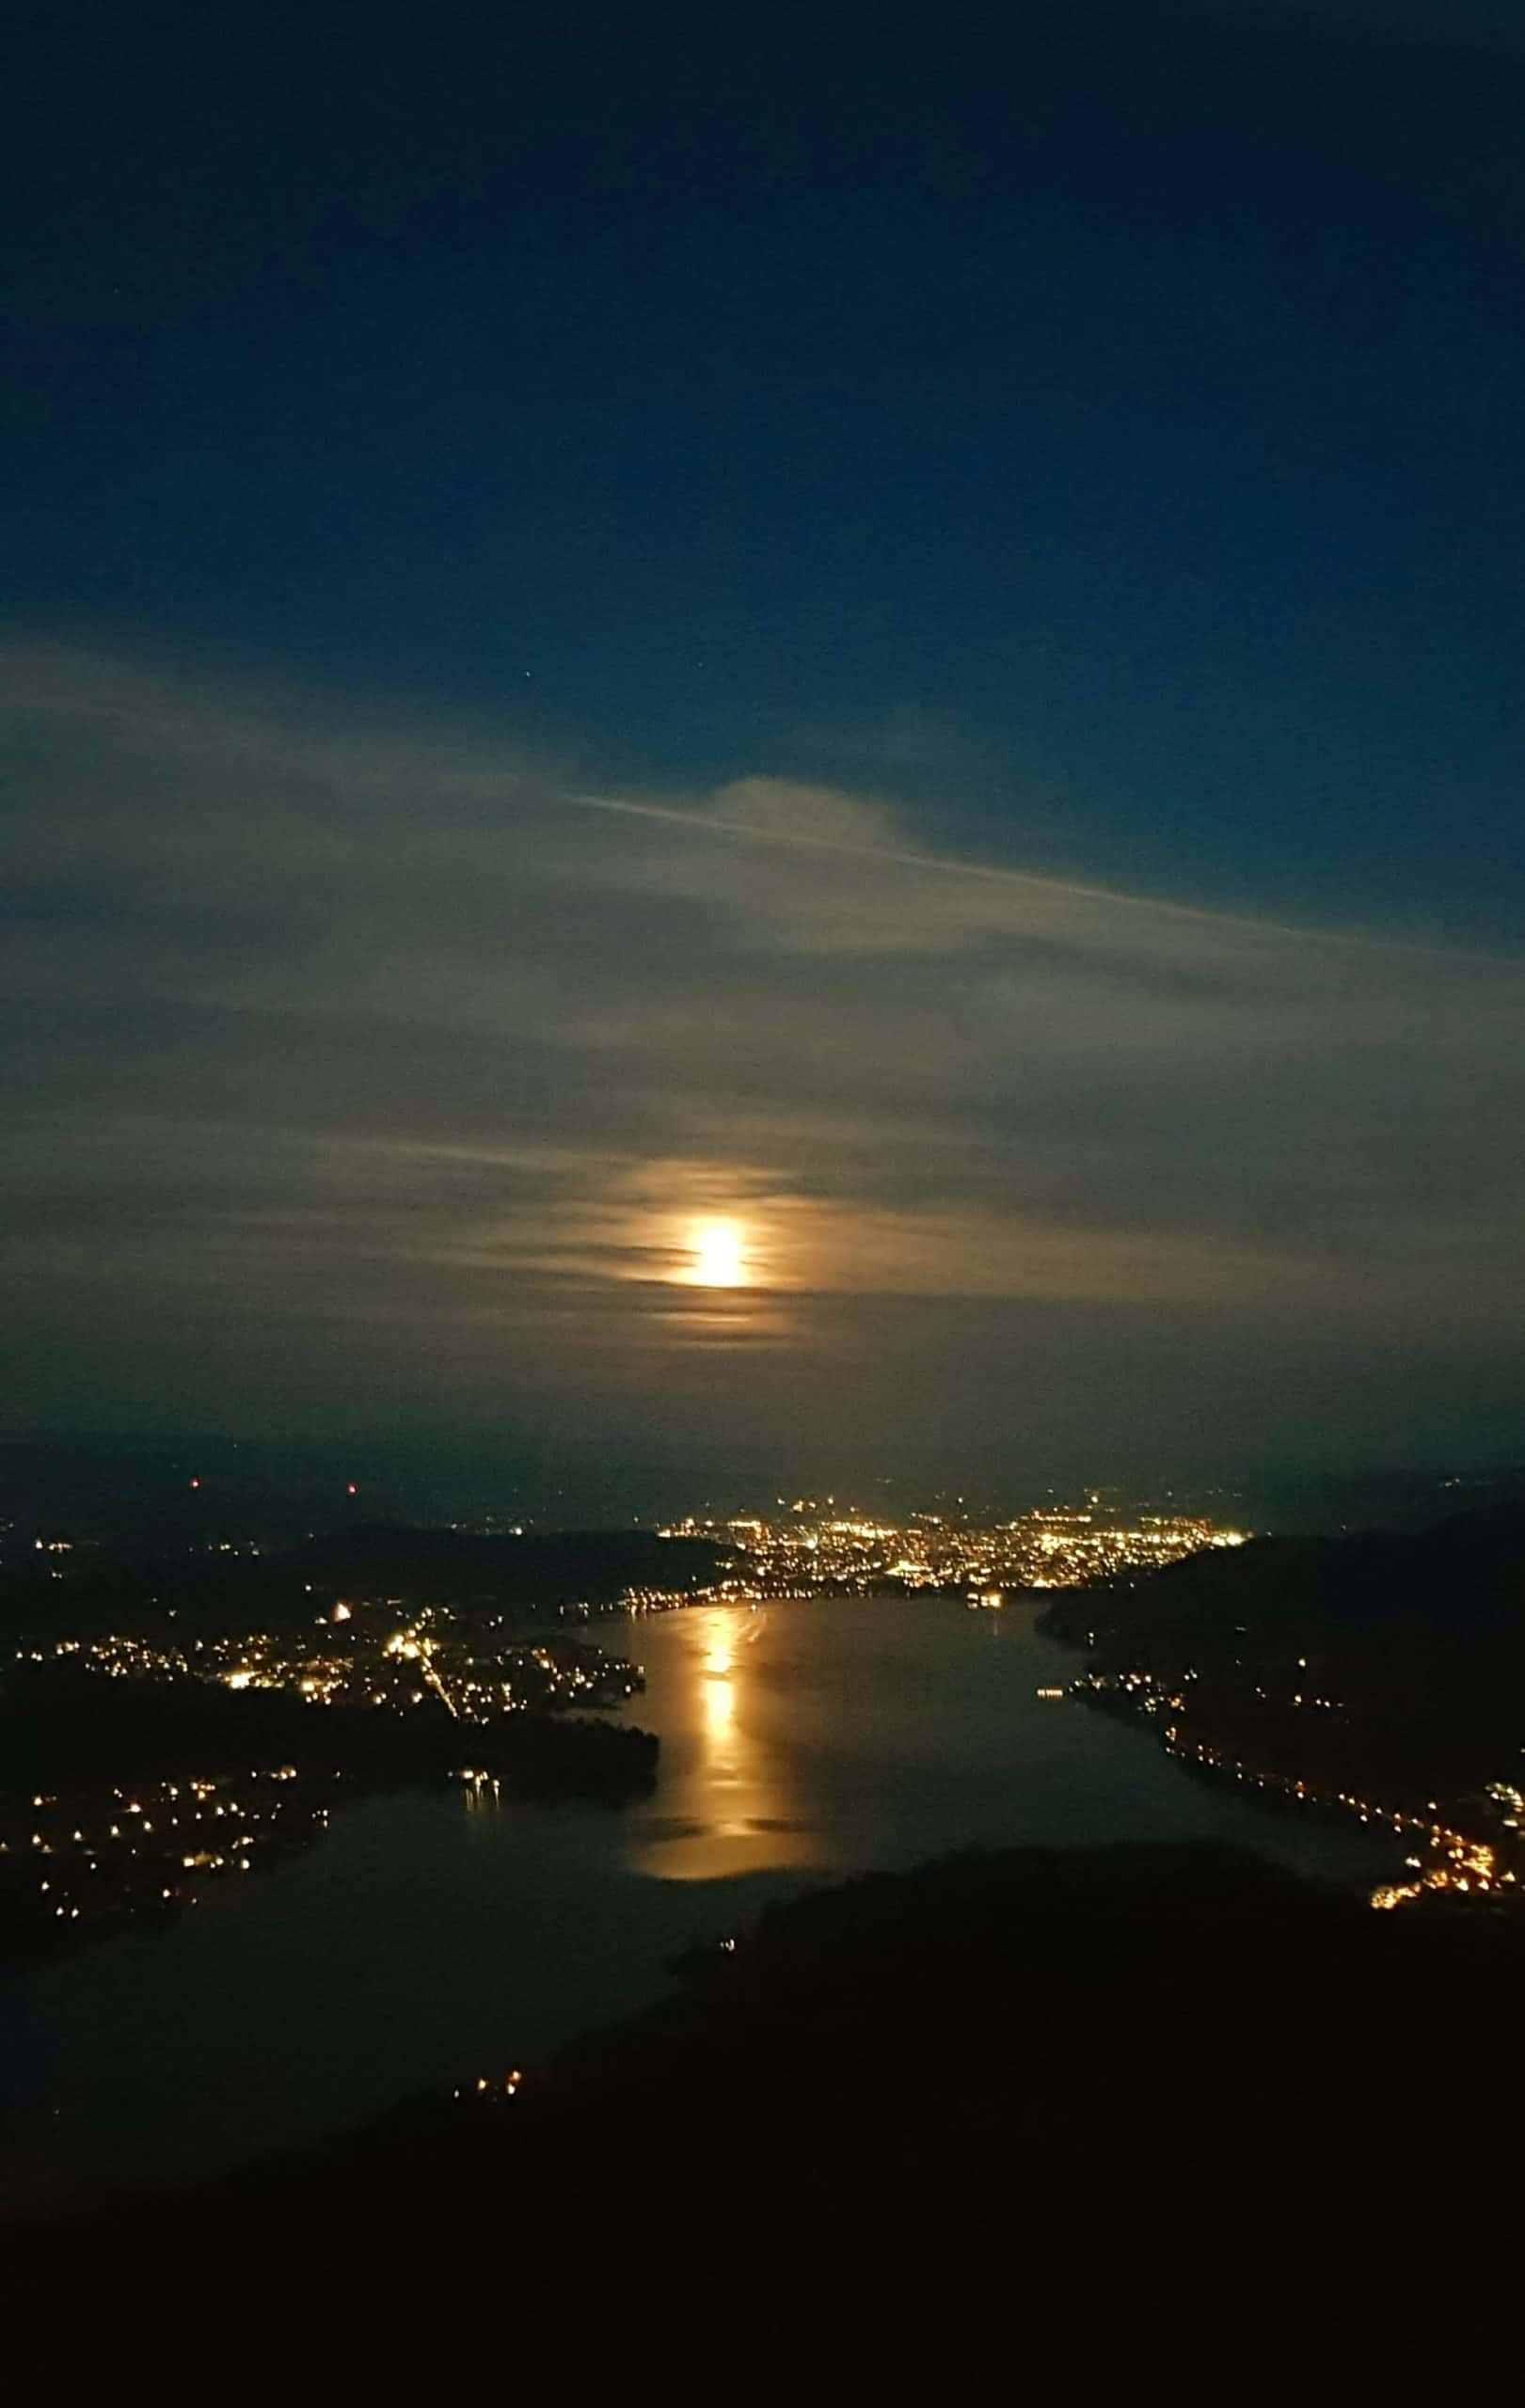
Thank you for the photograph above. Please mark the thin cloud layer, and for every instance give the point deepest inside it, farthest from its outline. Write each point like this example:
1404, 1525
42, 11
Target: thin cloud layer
358, 1067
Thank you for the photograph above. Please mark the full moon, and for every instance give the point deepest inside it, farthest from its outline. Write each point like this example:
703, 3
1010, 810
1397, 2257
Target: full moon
719, 1255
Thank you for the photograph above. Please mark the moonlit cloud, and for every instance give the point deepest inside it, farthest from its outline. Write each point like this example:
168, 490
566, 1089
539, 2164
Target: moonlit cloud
360, 1065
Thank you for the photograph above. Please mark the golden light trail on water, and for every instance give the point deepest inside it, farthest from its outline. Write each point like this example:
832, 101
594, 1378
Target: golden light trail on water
718, 1694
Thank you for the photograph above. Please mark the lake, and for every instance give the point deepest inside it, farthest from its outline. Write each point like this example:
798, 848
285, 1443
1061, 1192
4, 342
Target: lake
431, 1936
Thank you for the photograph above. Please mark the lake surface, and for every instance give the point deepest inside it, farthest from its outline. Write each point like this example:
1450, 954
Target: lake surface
431, 1936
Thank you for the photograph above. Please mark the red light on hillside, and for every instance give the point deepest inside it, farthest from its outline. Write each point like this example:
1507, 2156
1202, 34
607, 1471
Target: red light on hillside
353, 1490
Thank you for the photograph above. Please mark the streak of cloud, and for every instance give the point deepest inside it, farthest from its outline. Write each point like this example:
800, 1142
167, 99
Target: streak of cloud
354, 1058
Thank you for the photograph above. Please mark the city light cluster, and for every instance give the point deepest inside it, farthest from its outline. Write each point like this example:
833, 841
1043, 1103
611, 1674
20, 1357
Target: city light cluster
93, 1856
805, 1549
358, 1654
101, 1857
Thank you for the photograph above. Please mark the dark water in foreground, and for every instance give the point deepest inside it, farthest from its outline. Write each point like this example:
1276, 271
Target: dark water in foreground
432, 1936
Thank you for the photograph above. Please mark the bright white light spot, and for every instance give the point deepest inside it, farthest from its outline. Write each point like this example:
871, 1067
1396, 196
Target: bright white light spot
720, 1256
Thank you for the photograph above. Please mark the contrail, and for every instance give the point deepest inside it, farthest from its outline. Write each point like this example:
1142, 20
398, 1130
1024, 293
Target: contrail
1037, 885
267, 732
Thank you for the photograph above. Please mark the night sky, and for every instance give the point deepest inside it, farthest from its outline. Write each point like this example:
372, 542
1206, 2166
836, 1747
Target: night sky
747, 743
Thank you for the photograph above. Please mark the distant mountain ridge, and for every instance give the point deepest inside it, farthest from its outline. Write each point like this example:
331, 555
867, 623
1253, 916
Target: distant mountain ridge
1465, 1574
144, 1589
468, 1567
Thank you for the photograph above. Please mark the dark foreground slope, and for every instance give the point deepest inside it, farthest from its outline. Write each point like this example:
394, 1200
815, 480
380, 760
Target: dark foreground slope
1001, 2110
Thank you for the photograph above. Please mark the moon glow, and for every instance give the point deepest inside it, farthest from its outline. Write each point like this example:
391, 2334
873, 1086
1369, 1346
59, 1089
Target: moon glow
718, 1255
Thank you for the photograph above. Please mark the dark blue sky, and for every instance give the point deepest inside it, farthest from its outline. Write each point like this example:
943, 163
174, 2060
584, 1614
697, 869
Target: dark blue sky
1092, 433
1134, 404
